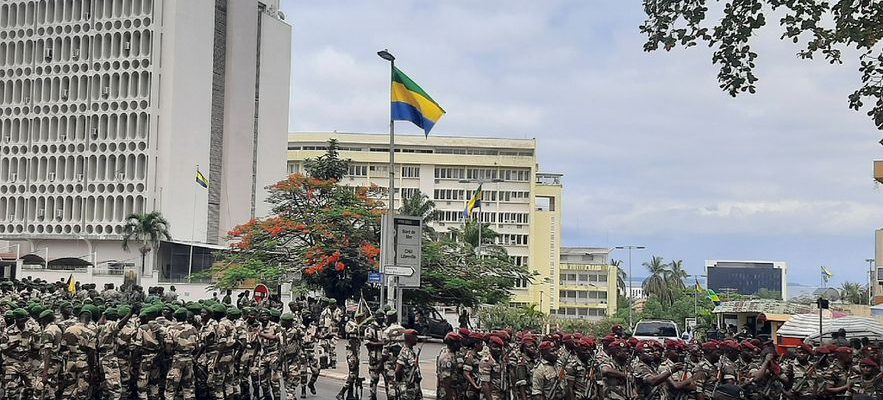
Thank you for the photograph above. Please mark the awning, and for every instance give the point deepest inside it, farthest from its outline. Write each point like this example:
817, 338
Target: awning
806, 326
69, 262
197, 244
32, 259
775, 317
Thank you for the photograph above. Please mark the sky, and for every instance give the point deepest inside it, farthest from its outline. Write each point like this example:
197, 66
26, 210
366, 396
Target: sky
653, 152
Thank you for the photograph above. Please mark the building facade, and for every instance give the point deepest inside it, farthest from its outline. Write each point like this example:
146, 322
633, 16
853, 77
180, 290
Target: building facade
521, 204
587, 284
747, 277
111, 106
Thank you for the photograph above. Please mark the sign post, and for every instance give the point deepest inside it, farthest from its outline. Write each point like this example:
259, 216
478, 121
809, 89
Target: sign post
261, 293
402, 263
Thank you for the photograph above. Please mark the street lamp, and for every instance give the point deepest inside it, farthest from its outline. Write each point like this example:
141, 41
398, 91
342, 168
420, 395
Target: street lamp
386, 55
870, 262
630, 247
387, 243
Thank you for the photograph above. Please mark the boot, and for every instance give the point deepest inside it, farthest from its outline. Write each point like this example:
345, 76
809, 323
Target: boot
312, 387
342, 394
303, 392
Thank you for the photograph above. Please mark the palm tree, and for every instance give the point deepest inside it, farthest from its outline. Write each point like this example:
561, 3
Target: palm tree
676, 275
854, 293
620, 277
419, 205
655, 284
149, 229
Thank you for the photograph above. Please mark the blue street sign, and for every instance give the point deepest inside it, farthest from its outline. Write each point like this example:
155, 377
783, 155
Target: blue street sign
375, 277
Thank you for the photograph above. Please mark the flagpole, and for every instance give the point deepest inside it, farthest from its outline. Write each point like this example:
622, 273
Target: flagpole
479, 233
387, 251
192, 231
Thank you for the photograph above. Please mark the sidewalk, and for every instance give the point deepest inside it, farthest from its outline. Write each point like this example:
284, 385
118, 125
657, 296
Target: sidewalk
428, 353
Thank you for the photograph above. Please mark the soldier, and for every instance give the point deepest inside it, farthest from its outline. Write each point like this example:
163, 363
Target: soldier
250, 352
181, 342
407, 372
546, 382
148, 342
706, 376
800, 373
523, 363
49, 384
392, 337
648, 382
474, 348
211, 351
618, 380
111, 384
835, 376
446, 368
374, 345
868, 382
353, 347
291, 349
270, 362
490, 370
78, 369
125, 347
309, 366
228, 346
328, 335
18, 343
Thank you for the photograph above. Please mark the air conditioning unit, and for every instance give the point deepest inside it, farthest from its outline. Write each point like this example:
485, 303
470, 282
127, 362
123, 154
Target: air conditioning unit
51, 176
59, 214
7, 138
121, 176
41, 213
13, 177
127, 46
64, 93
27, 99
47, 54
105, 91
75, 55
62, 136
94, 133
80, 177
87, 15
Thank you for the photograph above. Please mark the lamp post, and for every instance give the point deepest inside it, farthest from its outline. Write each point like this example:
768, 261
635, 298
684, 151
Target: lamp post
870, 262
630, 247
387, 243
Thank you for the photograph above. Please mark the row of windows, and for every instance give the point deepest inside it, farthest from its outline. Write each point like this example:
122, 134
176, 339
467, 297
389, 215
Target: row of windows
104, 167
582, 295
519, 260
126, 85
41, 12
486, 217
442, 150
74, 48
566, 278
126, 126
483, 174
580, 312
512, 239
93, 209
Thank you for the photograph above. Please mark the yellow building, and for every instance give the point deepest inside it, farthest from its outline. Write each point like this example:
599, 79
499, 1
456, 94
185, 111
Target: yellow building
587, 283
521, 204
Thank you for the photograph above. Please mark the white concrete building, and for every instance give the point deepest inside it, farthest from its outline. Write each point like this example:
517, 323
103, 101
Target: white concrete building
108, 108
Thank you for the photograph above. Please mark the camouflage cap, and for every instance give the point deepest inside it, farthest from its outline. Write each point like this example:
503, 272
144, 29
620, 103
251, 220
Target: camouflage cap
275, 313
218, 308
47, 314
181, 313
233, 312
19, 313
111, 313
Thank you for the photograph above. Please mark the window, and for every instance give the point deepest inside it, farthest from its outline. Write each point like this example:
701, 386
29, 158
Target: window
515, 175
448, 194
410, 171
449, 173
481, 174
379, 169
408, 193
358, 170
293, 168
521, 283
583, 277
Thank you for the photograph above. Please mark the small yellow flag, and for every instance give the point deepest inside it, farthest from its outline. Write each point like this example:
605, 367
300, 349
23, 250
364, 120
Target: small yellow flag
71, 285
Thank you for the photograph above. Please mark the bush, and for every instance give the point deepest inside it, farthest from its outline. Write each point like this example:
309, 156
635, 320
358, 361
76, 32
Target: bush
516, 318
599, 328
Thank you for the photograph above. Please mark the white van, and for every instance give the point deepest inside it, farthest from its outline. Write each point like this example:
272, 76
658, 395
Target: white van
656, 330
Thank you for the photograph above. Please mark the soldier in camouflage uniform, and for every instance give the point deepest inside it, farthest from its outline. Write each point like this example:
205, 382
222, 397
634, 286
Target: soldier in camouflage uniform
446, 368
111, 384
125, 339
228, 346
309, 366
649, 383
491, 368
868, 381
707, 373
270, 362
80, 345
328, 329
834, 377
291, 348
392, 337
374, 345
407, 372
181, 342
546, 380
522, 366
801, 373
49, 384
474, 347
353, 347
211, 353
148, 342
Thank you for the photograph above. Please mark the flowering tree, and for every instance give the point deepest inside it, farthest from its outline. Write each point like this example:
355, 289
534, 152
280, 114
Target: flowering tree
326, 234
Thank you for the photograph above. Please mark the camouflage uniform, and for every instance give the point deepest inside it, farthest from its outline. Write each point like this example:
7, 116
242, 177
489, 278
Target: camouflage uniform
270, 362
802, 379
16, 348
328, 342
833, 375
490, 371
617, 388
470, 366
125, 345
546, 383
309, 366
80, 339
111, 385
251, 348
353, 346
392, 337
871, 387
227, 346
291, 353
374, 334
149, 346
52, 362
577, 378
209, 337
641, 371
707, 384
409, 388
445, 368
182, 341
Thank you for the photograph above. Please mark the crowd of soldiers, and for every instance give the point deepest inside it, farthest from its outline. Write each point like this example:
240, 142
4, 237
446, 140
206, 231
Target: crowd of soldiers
61, 342
501, 365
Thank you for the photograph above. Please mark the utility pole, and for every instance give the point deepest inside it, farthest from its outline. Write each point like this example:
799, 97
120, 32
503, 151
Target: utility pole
629, 248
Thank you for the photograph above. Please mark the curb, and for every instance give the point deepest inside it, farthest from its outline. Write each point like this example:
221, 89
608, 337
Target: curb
427, 394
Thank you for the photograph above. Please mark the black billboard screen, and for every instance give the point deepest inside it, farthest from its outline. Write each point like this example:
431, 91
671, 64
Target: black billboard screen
747, 281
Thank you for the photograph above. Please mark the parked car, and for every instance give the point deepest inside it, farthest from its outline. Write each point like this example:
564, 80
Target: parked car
427, 321
656, 330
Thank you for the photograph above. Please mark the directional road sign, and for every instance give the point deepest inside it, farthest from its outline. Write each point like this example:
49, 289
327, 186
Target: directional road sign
395, 270
375, 277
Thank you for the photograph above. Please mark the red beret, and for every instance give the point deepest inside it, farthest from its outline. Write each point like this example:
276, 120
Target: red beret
644, 346
504, 335
748, 346
528, 338
608, 339
547, 345
587, 343
453, 337
871, 362
476, 336
844, 350
409, 332
674, 344
464, 332
633, 341
619, 344
806, 347
730, 344
496, 340
710, 346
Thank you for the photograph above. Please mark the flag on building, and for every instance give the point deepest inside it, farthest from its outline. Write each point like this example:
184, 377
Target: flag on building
474, 202
412, 103
826, 274
699, 287
713, 297
200, 179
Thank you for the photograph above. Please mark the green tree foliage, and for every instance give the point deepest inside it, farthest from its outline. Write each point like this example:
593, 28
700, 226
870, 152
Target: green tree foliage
854, 293
681, 307
822, 28
656, 285
676, 275
322, 234
517, 318
419, 205
149, 229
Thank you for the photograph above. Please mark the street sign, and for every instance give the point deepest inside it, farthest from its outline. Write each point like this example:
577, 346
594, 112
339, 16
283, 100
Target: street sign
396, 270
375, 277
261, 292
407, 241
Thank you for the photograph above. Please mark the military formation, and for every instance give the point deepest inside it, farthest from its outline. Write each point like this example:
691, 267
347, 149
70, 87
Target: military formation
500, 365
63, 342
